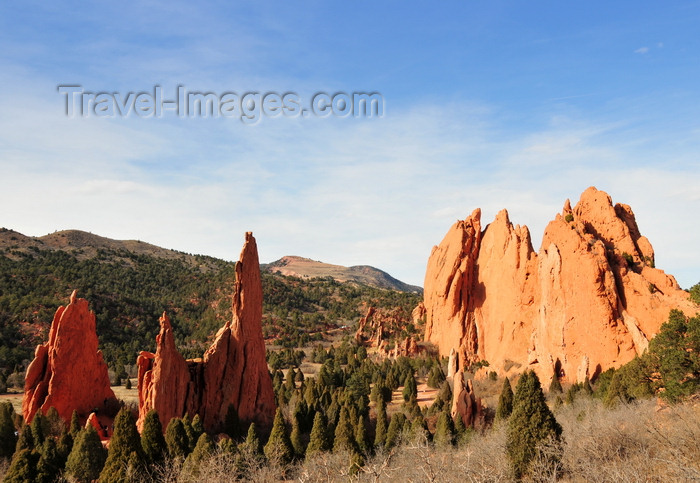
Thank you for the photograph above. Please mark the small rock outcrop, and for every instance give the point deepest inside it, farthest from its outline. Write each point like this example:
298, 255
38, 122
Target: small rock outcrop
465, 404
380, 328
233, 370
589, 300
68, 372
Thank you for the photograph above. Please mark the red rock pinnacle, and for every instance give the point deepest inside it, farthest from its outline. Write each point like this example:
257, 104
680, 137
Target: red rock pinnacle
68, 372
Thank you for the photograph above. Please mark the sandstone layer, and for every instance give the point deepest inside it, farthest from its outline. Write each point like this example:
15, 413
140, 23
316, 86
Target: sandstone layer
233, 370
590, 299
68, 372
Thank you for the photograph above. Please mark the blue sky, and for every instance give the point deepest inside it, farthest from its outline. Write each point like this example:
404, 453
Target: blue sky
487, 104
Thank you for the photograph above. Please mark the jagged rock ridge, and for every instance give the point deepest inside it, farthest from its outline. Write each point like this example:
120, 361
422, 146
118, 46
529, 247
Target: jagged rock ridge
68, 372
232, 371
589, 300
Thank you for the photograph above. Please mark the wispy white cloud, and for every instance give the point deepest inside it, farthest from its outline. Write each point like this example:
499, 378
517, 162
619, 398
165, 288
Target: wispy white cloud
642, 50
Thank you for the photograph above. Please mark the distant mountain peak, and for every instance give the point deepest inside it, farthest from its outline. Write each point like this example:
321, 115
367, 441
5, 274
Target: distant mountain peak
296, 266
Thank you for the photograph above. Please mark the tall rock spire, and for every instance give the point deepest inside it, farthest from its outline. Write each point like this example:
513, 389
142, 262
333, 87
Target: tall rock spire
233, 370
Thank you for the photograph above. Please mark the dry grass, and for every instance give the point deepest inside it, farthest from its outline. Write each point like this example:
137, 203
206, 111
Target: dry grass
632, 443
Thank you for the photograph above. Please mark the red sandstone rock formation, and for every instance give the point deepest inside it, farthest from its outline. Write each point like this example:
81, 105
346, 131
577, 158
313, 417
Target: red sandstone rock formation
465, 403
589, 300
68, 372
232, 371
379, 326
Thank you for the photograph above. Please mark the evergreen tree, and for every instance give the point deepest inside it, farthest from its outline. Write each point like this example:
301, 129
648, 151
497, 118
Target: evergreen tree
127, 384
279, 447
393, 433
674, 354
202, 450
192, 436
409, 388
152, 441
87, 457
197, 426
64, 446
37, 426
530, 424
460, 429
319, 440
444, 431
436, 377
361, 436
125, 441
505, 401
25, 440
8, 440
54, 424
75, 426
344, 435
296, 439
380, 431
252, 441
176, 439
50, 463
587, 388
419, 430
23, 467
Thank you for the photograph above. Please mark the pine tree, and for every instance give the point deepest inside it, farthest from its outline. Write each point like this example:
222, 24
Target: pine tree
192, 436
409, 388
296, 440
380, 431
444, 430
8, 440
49, 465
22, 467
25, 440
344, 435
505, 401
436, 377
38, 425
279, 447
127, 384
64, 446
460, 429
530, 424
587, 388
75, 426
419, 430
125, 441
252, 441
87, 457
202, 450
393, 433
176, 439
54, 424
152, 441
319, 440
361, 436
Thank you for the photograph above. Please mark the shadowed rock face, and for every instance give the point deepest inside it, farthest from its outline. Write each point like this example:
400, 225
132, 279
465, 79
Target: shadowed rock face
232, 371
589, 300
68, 372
